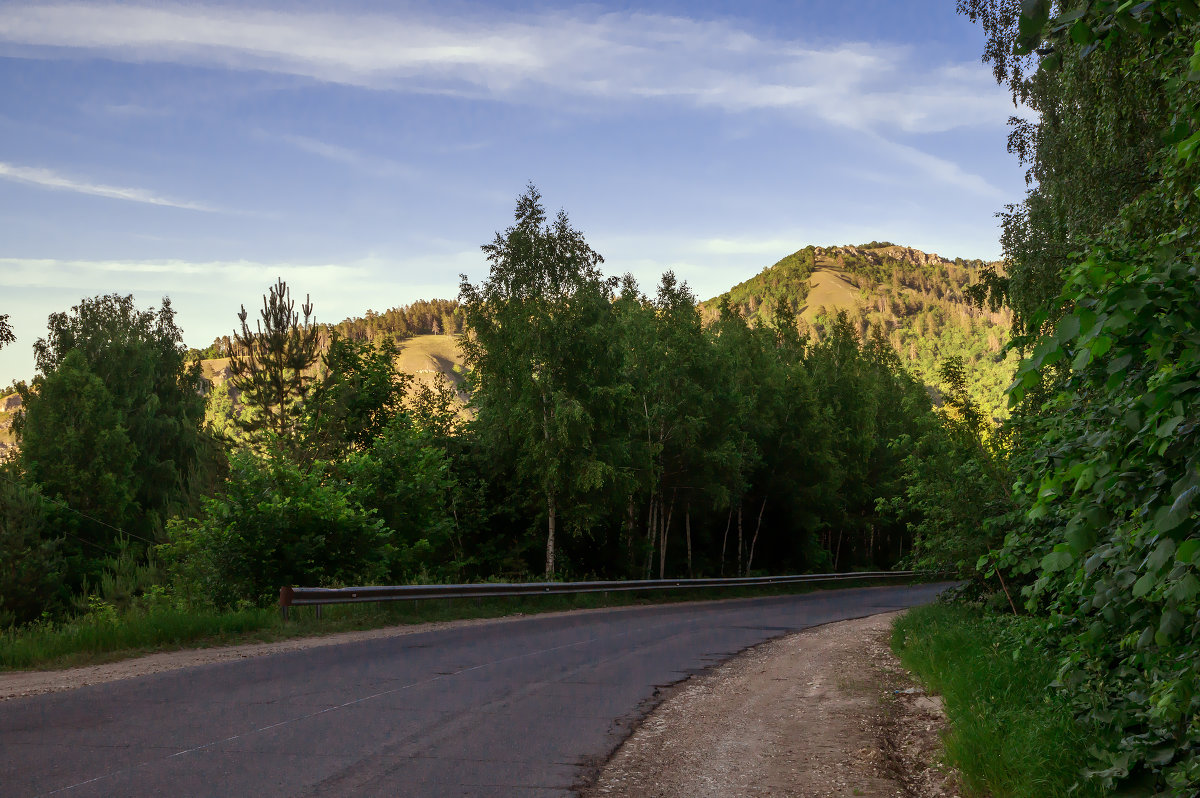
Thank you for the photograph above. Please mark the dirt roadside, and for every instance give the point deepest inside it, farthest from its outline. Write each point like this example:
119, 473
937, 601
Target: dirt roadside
825, 713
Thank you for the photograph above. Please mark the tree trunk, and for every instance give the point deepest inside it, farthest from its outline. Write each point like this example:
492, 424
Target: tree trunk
740, 552
650, 522
551, 502
837, 552
551, 517
630, 520
687, 531
754, 540
665, 530
725, 539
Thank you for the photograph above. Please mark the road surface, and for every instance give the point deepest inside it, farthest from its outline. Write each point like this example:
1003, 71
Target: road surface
524, 708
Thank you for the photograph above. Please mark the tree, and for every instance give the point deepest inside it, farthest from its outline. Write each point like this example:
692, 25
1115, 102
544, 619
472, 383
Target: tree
1089, 154
269, 366
113, 421
358, 395
7, 336
543, 360
31, 552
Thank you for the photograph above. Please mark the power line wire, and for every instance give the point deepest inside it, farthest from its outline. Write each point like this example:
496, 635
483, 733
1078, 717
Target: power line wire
66, 506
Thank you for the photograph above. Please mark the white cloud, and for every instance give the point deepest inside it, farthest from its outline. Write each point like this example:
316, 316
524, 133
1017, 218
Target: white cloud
169, 275
47, 178
352, 280
543, 59
370, 165
941, 170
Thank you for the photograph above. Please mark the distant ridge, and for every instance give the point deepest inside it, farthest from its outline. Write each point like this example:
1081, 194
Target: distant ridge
915, 300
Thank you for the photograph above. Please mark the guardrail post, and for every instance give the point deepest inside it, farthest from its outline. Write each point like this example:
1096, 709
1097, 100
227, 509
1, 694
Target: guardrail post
285, 601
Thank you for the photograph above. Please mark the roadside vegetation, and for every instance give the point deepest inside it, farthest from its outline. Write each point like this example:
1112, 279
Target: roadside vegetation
1087, 547
607, 433
1010, 735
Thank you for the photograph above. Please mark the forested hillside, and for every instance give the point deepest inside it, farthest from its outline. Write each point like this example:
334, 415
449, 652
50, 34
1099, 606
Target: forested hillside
424, 317
918, 302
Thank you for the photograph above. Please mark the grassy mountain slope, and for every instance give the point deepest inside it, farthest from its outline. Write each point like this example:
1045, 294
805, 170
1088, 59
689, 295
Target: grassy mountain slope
423, 356
916, 300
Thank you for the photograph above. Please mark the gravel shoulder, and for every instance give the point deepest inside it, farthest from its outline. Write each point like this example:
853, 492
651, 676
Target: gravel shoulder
824, 713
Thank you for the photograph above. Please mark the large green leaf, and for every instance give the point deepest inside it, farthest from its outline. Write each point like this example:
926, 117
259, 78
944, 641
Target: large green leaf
1057, 561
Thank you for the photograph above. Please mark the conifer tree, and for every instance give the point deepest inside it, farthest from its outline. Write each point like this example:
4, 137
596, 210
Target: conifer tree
269, 366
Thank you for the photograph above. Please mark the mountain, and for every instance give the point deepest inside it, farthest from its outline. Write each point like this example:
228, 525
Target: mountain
916, 300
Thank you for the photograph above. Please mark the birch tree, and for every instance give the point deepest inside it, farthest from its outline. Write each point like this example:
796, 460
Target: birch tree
543, 361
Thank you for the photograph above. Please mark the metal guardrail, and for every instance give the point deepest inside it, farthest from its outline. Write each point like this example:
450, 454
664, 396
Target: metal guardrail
320, 596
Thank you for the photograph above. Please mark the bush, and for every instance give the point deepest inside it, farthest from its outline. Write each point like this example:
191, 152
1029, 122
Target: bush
275, 525
407, 482
32, 563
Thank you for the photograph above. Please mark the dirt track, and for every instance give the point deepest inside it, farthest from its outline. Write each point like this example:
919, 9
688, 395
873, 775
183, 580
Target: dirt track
826, 712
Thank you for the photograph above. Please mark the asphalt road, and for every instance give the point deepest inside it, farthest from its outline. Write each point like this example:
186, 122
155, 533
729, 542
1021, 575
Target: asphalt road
524, 708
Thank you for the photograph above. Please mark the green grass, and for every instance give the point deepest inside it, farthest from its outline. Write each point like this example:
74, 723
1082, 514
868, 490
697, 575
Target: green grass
108, 636
1010, 735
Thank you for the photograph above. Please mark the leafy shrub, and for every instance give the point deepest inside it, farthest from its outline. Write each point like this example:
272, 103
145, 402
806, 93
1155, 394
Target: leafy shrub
407, 482
273, 525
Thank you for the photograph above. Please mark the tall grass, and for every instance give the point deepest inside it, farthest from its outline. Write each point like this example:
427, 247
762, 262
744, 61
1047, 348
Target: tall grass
1010, 735
90, 638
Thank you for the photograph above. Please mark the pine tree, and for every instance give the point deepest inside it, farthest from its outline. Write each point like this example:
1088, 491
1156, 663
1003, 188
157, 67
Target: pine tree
269, 366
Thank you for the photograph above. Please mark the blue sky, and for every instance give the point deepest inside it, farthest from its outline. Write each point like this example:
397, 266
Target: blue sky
364, 151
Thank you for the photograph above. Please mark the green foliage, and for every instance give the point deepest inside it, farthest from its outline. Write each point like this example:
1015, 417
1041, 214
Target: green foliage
269, 366
103, 632
358, 395
1107, 412
784, 284
32, 562
544, 365
871, 402
1009, 737
7, 336
225, 420
423, 317
273, 525
956, 498
112, 423
76, 445
406, 481
643, 439
1091, 153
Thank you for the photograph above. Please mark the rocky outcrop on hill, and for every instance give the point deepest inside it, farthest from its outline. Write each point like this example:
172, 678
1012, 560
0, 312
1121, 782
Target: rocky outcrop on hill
879, 255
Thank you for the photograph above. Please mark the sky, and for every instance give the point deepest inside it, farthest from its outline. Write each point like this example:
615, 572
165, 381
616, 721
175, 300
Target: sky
364, 151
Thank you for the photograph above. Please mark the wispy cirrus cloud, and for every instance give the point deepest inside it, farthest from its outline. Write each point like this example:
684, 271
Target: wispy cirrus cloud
171, 274
352, 278
548, 58
48, 178
366, 164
